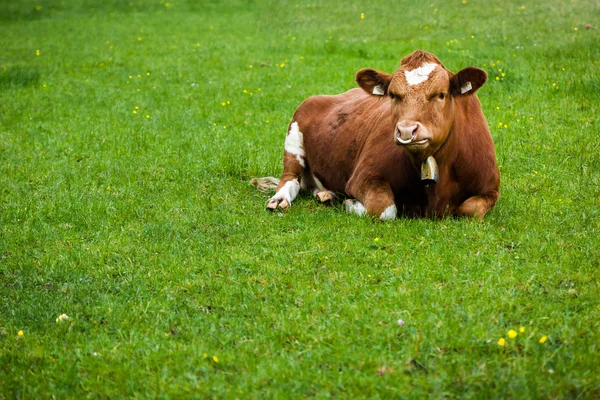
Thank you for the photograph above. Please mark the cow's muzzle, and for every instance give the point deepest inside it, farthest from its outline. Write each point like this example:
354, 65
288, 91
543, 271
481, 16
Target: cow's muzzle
406, 134
409, 134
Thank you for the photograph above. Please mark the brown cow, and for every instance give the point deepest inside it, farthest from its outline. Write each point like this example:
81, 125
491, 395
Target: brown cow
374, 144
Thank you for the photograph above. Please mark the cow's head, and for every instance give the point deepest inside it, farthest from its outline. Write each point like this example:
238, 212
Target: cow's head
421, 93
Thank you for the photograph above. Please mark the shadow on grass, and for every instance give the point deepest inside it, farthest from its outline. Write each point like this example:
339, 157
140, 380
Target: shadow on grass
18, 77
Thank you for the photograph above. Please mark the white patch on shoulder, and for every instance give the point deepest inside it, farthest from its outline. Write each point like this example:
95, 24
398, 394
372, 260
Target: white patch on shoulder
378, 90
465, 88
355, 207
419, 75
389, 213
288, 191
294, 143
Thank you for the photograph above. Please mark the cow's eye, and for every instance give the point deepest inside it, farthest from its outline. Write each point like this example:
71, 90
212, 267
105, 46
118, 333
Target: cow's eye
441, 96
392, 96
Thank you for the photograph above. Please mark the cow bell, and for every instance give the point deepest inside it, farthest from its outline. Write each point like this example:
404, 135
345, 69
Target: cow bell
430, 173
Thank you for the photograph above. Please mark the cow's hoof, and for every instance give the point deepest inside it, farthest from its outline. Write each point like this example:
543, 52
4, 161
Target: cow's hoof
324, 196
276, 203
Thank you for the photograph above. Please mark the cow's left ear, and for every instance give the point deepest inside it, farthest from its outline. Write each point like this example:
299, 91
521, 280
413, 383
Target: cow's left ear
373, 82
467, 81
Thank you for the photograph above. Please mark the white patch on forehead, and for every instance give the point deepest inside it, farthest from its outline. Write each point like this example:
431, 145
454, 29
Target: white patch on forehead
419, 75
465, 88
389, 213
294, 143
378, 90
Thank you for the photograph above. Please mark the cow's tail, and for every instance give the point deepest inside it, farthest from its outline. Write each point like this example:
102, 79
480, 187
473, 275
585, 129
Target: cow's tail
265, 184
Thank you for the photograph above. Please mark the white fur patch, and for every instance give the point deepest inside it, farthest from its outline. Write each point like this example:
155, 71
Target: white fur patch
465, 88
318, 183
378, 90
288, 191
355, 207
419, 75
294, 143
389, 213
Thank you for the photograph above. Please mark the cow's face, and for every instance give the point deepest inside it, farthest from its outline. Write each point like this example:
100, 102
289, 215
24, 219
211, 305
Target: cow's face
421, 95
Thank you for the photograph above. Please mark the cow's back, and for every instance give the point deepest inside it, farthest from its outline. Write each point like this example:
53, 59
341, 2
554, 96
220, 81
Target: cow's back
335, 130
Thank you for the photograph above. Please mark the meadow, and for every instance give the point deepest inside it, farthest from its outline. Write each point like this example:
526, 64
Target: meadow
137, 261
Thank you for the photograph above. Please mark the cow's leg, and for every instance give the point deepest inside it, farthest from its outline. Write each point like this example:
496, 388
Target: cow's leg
324, 196
321, 194
293, 170
376, 199
478, 206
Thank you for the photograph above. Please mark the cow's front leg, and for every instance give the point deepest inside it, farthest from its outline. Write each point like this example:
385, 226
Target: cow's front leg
478, 206
376, 200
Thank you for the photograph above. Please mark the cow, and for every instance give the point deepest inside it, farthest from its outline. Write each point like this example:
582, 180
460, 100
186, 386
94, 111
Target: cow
414, 143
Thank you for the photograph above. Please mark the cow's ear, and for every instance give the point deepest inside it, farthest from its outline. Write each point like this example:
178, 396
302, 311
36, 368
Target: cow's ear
467, 81
373, 82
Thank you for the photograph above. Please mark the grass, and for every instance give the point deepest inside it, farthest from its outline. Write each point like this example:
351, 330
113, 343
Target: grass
130, 131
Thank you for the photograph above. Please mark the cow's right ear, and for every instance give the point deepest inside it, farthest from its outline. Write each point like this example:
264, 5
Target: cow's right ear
373, 82
467, 81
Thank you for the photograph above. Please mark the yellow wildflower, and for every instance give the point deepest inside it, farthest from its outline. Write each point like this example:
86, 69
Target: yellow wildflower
512, 334
362, 15
20, 333
216, 359
37, 52
543, 339
501, 341
522, 329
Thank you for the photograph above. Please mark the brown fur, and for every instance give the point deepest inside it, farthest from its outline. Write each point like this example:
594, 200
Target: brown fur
349, 143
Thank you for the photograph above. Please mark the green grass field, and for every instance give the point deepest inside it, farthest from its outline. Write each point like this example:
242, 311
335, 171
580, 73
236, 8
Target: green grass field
129, 133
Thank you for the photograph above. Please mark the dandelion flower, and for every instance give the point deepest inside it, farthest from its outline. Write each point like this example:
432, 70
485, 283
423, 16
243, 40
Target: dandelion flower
501, 341
362, 15
522, 329
20, 333
512, 334
37, 52
216, 359
543, 339
376, 239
